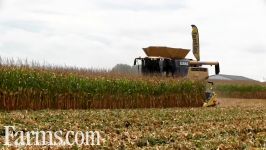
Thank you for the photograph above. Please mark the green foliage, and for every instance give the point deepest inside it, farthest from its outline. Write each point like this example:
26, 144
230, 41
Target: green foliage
23, 85
240, 88
251, 91
122, 68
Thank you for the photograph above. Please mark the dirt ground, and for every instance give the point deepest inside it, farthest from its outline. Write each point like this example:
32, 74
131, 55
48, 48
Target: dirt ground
229, 102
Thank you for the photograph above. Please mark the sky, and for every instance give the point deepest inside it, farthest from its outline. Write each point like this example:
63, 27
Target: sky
102, 33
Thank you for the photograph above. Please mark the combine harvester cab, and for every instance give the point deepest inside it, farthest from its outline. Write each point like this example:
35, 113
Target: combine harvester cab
167, 61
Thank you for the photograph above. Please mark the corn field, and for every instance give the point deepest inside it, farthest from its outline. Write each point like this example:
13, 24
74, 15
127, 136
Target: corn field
27, 87
246, 91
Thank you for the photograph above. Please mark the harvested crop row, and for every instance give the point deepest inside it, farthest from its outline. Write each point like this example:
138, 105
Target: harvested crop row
194, 128
27, 88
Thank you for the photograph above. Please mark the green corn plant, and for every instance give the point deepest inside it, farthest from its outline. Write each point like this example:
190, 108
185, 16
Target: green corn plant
41, 88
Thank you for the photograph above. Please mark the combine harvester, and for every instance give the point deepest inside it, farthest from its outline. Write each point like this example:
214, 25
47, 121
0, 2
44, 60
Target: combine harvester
172, 62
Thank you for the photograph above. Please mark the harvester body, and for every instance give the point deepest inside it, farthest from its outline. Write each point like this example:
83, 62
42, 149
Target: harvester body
167, 61
172, 62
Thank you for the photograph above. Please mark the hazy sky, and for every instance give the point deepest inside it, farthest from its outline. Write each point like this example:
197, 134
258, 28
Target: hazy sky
102, 33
